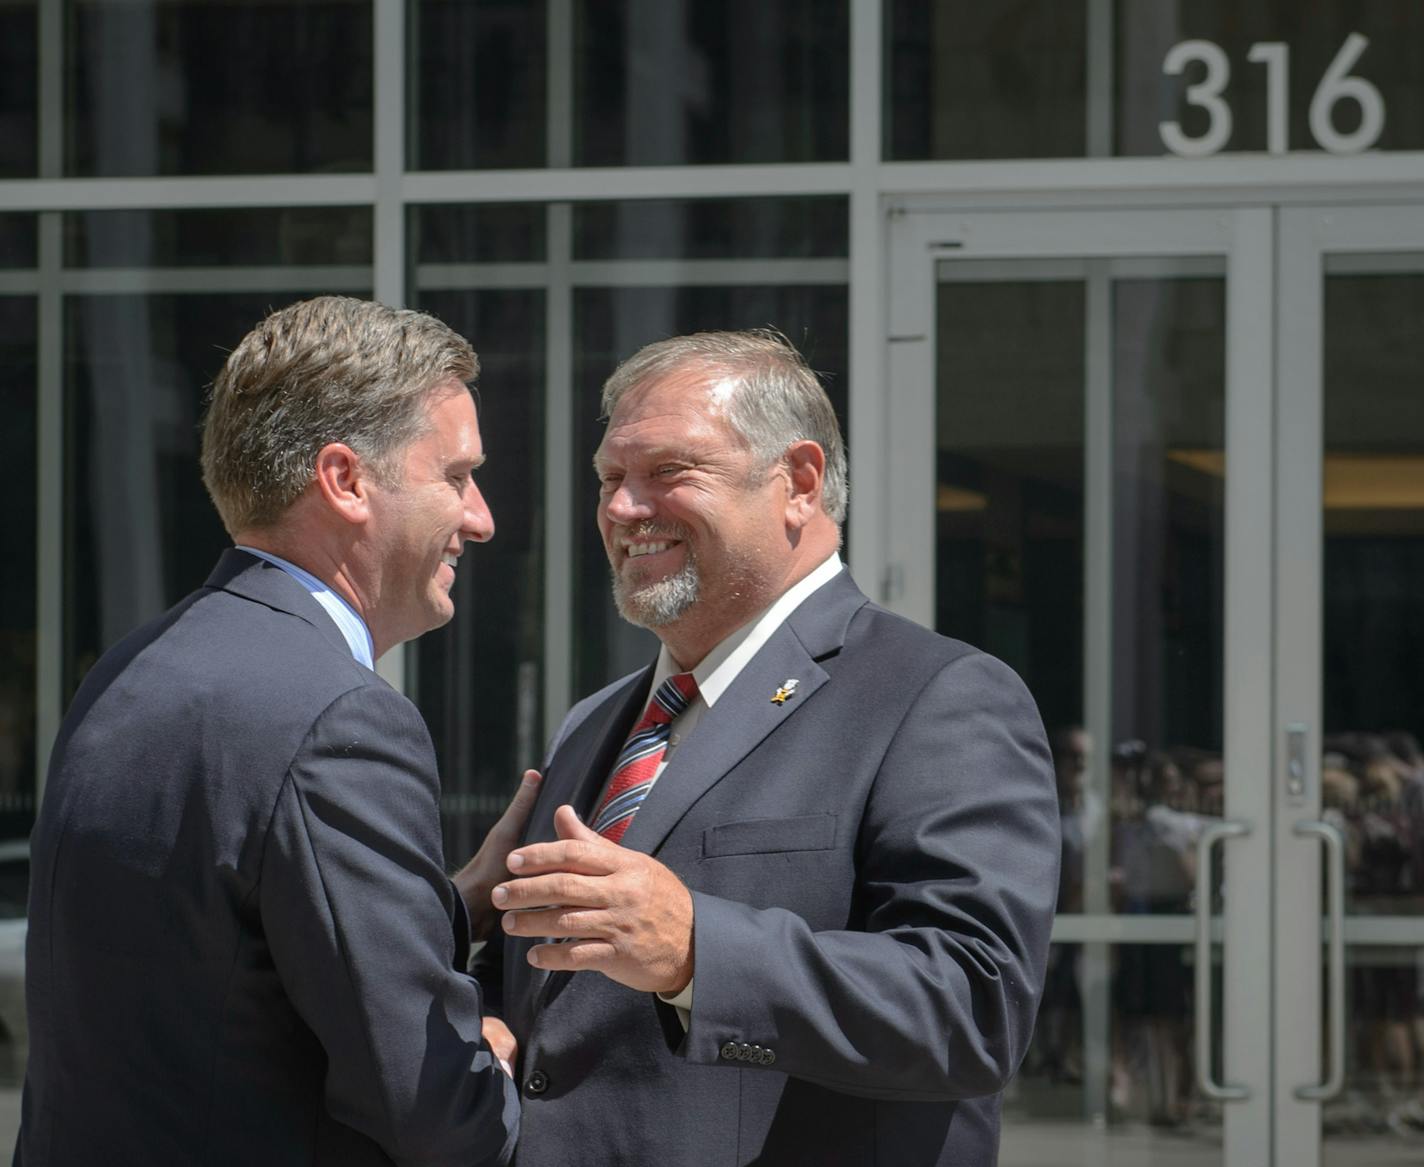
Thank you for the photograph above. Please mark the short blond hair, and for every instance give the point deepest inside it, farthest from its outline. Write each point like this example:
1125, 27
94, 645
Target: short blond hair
331, 369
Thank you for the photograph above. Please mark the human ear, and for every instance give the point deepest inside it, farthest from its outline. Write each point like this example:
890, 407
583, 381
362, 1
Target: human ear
343, 482
805, 473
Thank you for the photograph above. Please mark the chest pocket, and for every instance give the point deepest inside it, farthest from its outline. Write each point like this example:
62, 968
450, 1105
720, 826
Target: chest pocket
814, 832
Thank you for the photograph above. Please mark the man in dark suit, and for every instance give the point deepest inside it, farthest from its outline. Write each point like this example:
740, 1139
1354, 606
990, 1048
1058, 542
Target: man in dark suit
807, 921
243, 946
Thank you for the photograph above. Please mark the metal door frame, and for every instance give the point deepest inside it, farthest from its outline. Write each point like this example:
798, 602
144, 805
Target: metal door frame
918, 238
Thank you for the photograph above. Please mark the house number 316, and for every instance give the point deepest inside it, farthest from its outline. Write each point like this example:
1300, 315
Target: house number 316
1335, 87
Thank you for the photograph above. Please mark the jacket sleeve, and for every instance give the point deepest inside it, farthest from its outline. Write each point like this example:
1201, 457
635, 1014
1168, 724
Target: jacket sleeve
358, 913
934, 995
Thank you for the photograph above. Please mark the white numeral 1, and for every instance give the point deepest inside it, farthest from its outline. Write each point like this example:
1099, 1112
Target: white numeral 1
1275, 55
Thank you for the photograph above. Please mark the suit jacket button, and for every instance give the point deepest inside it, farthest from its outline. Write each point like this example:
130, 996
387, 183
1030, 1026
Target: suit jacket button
768, 1057
538, 1082
729, 1051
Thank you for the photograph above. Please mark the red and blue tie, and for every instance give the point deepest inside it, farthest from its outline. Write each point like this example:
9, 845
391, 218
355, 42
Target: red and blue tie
637, 764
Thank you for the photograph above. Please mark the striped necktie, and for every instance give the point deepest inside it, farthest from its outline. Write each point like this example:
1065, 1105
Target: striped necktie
637, 764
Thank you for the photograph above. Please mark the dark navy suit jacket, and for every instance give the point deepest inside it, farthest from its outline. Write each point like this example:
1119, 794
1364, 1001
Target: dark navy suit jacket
242, 942
873, 866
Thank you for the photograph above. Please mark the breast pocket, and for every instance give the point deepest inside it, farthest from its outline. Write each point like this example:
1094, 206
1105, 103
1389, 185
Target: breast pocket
812, 832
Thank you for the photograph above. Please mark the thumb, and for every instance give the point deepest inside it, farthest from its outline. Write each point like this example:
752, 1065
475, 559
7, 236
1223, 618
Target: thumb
516, 814
567, 825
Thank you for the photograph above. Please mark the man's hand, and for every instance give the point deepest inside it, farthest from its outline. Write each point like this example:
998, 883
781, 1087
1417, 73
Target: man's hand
627, 916
501, 1042
477, 878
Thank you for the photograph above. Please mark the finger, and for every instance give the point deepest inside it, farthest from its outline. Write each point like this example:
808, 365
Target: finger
573, 956
562, 922
559, 889
568, 825
516, 814
499, 1038
593, 856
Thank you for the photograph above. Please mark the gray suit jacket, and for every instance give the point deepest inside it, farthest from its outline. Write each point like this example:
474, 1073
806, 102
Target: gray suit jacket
242, 943
873, 867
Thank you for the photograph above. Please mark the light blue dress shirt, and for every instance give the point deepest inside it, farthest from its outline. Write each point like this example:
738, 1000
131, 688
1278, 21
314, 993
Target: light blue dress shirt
353, 628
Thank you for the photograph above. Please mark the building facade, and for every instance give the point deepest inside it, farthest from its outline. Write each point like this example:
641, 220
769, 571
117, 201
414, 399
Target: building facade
1120, 302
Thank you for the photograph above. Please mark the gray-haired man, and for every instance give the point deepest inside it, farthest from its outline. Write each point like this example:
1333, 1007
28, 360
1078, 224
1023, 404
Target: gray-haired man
807, 921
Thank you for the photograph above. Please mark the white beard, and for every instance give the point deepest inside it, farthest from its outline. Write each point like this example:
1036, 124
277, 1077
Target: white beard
658, 604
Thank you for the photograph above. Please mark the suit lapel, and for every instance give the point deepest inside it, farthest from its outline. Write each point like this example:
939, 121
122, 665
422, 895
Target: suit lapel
582, 762
746, 713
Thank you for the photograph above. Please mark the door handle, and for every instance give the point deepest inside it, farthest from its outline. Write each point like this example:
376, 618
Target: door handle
1206, 843
1335, 907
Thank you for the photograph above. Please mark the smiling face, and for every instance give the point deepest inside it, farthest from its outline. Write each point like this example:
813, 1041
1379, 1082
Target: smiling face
694, 527
420, 524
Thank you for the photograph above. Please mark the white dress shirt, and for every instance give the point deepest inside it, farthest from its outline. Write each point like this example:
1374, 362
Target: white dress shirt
714, 676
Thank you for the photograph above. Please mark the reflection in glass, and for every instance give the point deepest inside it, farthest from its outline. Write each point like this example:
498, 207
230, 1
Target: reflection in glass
18, 616
479, 680
478, 233
18, 619
968, 80
1372, 780
247, 236
1372, 771
19, 240
812, 227
611, 324
1382, 1106
672, 82
478, 84
140, 532
19, 88
156, 87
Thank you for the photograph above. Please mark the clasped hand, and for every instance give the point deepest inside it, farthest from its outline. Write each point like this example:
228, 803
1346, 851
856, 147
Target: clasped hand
619, 912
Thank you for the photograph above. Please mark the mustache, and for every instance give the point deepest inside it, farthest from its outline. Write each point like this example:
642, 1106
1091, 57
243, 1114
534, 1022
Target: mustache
650, 532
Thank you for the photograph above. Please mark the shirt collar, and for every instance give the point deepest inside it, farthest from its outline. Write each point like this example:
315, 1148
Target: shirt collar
719, 668
347, 619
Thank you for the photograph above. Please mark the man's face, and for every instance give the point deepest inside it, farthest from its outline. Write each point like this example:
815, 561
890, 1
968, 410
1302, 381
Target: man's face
420, 523
694, 529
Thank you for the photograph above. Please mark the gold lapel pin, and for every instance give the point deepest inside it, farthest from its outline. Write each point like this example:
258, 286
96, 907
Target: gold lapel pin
788, 689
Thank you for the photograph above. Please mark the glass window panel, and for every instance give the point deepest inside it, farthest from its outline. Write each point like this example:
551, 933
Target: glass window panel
1125, 1061
971, 80
19, 240
18, 645
479, 680
1372, 782
479, 233
1012, 381
19, 88
1009, 563
1169, 471
158, 87
140, 531
671, 82
18, 614
1314, 33
252, 236
757, 228
478, 84
611, 324
1379, 1117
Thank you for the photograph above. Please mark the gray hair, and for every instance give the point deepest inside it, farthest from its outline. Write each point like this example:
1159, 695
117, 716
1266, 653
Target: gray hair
776, 400
332, 369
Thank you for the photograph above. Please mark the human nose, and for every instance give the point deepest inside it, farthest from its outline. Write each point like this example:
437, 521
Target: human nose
626, 505
478, 522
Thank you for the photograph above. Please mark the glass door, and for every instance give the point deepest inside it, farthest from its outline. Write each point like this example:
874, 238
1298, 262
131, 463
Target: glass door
1349, 718
1079, 425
